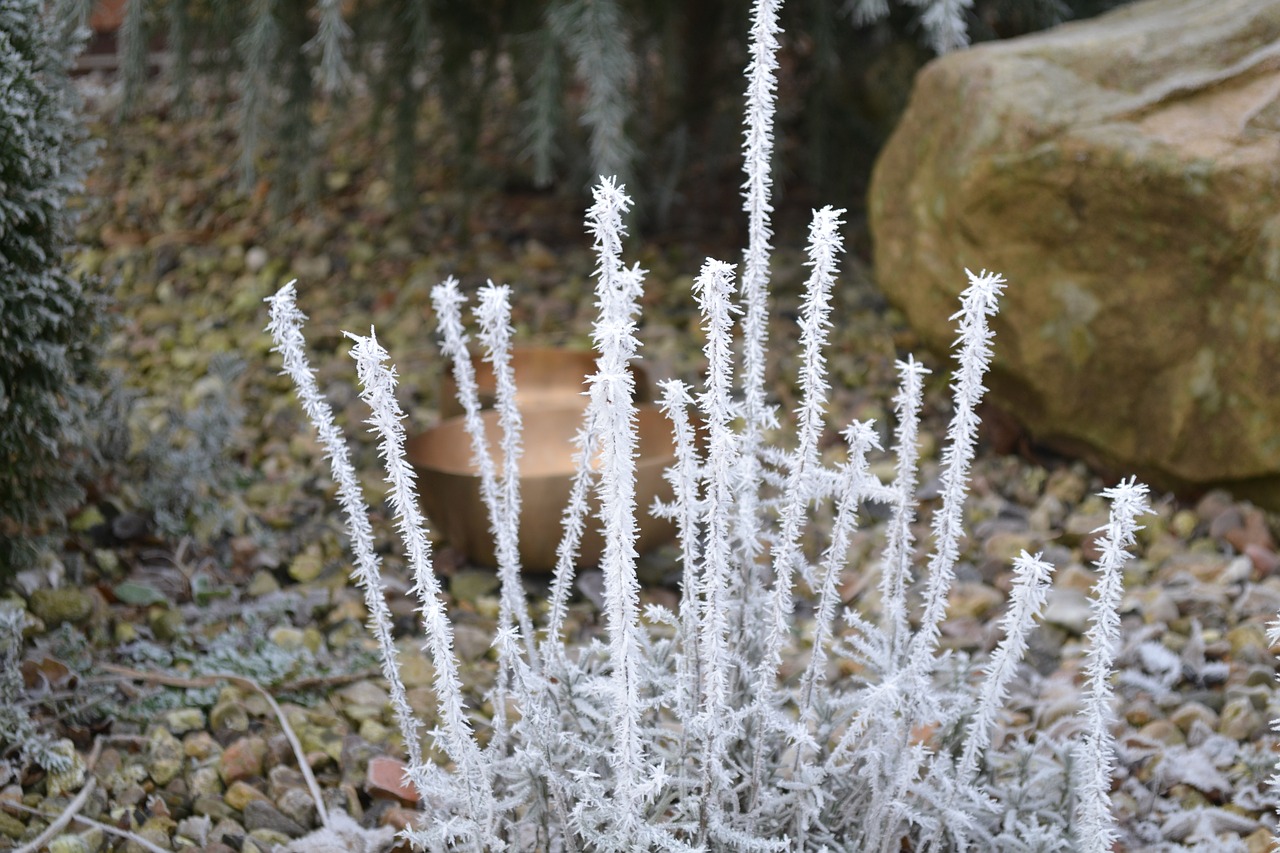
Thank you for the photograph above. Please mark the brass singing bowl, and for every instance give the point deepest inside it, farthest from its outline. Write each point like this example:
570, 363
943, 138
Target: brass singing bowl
449, 485
545, 378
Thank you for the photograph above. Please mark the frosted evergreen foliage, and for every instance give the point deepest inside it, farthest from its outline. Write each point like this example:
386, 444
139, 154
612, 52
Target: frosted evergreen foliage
676, 730
330, 42
597, 80
17, 729
942, 21
594, 34
50, 320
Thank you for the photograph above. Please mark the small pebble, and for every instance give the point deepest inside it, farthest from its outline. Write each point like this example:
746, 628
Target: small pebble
1190, 713
164, 755
386, 778
239, 794
242, 759
1239, 721
262, 814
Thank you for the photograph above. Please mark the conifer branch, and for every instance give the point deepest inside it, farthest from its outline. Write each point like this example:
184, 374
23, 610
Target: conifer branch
594, 34
133, 52
330, 41
258, 46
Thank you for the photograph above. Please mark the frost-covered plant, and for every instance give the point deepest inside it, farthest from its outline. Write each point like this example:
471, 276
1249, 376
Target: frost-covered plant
687, 737
17, 729
678, 730
184, 464
50, 319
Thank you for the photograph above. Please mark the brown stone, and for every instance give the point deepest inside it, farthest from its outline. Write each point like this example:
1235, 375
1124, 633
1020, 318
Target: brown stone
386, 778
239, 794
1265, 560
1253, 531
242, 759
1121, 173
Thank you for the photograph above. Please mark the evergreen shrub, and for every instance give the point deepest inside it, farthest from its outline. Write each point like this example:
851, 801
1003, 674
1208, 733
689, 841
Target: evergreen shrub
50, 318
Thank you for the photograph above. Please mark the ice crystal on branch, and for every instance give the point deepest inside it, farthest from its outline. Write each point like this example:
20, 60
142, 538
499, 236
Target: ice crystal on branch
1096, 752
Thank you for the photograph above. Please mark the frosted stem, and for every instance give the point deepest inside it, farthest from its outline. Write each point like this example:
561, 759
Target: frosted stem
757, 151
825, 244
861, 438
979, 301
612, 388
1030, 587
895, 570
712, 289
1095, 755
286, 331
573, 524
387, 419
495, 332
448, 300
684, 477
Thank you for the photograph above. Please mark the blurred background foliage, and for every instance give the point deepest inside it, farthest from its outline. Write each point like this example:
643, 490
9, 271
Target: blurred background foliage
535, 97
548, 94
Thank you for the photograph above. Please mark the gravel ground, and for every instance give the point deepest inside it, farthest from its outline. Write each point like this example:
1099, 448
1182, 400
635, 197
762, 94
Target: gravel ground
216, 549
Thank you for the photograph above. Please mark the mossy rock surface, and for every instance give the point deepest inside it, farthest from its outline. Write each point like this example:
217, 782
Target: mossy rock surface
1122, 173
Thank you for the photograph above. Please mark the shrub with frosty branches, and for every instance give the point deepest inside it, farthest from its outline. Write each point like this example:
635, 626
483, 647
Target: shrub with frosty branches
51, 330
688, 737
678, 730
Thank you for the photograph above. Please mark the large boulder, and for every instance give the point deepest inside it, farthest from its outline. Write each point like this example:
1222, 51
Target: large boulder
1124, 174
